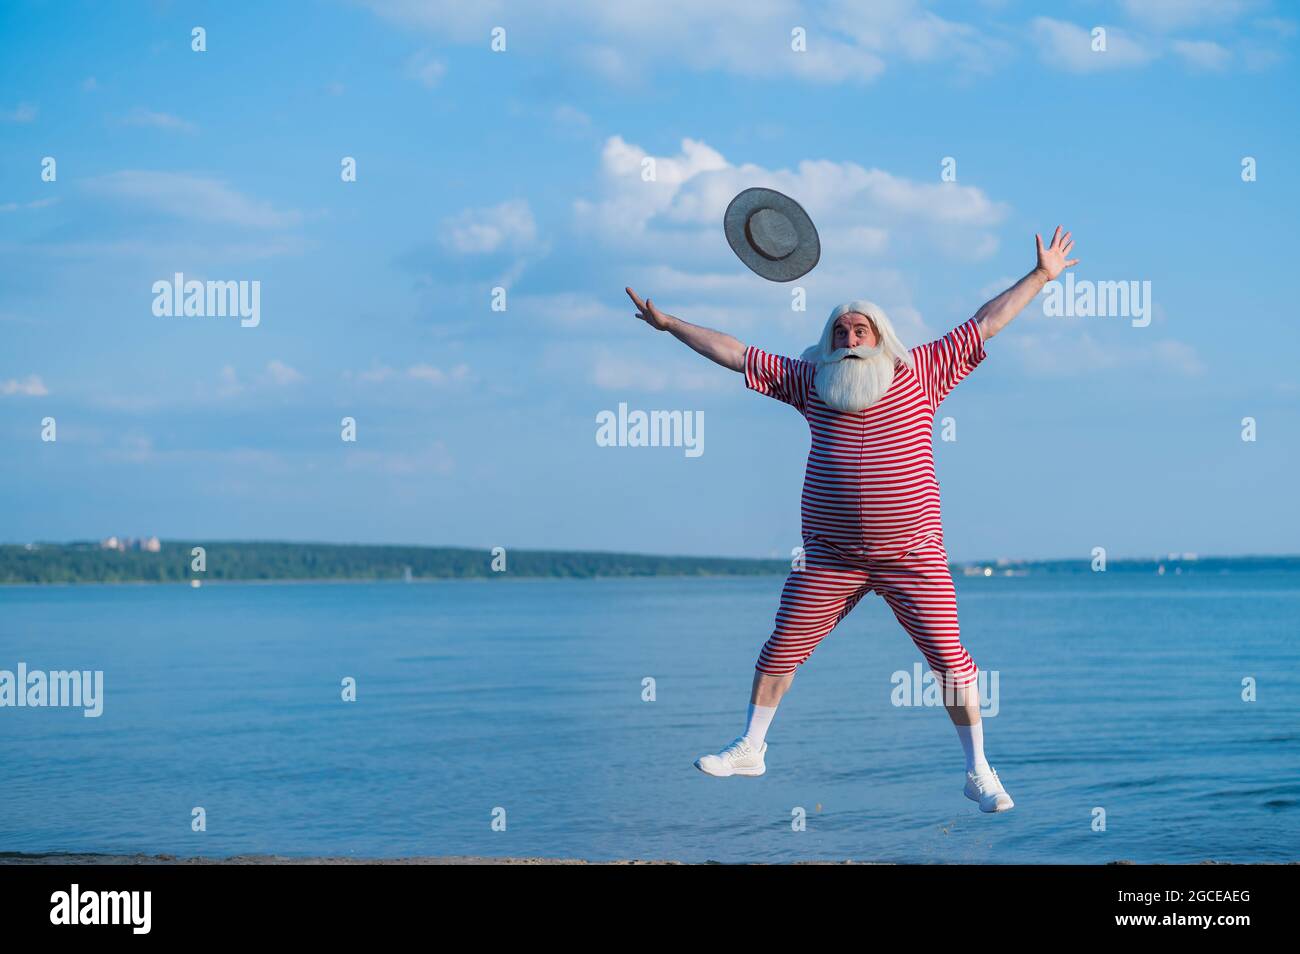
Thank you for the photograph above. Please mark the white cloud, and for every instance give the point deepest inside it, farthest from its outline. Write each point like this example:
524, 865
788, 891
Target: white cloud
1279, 25
1058, 352
436, 376
1256, 57
192, 197
134, 403
1068, 47
136, 448
729, 284
30, 386
1178, 356
426, 69
508, 225
1177, 14
859, 212
861, 239
164, 253
34, 204
425, 373
567, 115
23, 113
630, 201
230, 385
620, 372
902, 27
375, 374
624, 42
144, 117
280, 374
995, 288
132, 447
1203, 54
276, 374
573, 309
606, 62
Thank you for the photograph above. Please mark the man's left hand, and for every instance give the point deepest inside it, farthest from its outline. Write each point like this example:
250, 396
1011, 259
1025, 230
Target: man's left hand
1052, 260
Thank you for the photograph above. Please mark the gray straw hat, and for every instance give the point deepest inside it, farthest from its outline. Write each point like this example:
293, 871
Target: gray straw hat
772, 234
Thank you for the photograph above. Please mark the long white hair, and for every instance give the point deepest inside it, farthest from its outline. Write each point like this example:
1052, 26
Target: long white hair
854, 385
893, 347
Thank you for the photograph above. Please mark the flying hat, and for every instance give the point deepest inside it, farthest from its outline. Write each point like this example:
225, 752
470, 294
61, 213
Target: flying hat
772, 234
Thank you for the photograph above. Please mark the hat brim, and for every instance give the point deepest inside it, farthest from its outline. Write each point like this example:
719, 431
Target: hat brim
808, 248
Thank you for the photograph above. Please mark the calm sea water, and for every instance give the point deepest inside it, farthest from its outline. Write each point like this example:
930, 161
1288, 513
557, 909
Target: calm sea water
1121, 693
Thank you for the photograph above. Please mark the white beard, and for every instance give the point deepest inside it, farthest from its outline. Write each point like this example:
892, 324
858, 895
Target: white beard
854, 384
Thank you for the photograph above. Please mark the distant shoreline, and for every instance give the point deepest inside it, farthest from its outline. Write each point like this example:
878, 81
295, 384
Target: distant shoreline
209, 563
396, 581
141, 859
17, 858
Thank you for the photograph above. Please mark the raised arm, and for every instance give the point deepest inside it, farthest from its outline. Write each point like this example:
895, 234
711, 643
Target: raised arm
714, 345
996, 314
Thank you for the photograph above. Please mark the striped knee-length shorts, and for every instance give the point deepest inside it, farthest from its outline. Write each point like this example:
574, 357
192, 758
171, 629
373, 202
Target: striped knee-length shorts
917, 586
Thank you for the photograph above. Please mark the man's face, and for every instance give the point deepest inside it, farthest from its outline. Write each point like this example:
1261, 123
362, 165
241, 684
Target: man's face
852, 330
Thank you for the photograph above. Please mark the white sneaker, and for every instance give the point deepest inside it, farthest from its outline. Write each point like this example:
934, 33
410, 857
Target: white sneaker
986, 788
738, 758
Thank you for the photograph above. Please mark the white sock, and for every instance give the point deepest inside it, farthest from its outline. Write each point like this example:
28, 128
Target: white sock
972, 740
760, 717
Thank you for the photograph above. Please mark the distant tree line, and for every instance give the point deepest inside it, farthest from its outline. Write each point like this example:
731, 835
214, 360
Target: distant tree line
89, 563
257, 560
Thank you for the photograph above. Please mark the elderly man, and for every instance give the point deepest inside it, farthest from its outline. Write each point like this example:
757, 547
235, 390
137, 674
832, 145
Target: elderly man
870, 498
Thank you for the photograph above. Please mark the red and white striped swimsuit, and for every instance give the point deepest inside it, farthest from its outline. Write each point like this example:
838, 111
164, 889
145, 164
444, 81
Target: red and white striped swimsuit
871, 506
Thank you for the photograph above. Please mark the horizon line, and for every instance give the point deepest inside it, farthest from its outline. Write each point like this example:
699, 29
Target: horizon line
1186, 556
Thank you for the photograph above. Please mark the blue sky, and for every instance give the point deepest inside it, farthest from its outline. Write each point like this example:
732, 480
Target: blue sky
522, 169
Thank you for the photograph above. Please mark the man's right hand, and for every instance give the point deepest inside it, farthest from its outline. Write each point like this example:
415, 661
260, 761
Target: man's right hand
714, 345
648, 313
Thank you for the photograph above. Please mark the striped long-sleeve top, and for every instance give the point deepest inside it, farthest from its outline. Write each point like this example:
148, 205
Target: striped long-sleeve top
870, 485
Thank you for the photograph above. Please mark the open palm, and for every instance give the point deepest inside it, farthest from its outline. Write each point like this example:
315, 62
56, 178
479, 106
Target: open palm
1052, 260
